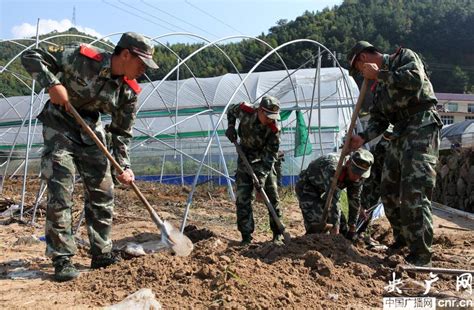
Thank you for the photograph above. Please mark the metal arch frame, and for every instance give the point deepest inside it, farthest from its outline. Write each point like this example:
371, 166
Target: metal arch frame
37, 41
197, 83
195, 52
30, 116
24, 119
93, 41
213, 43
274, 50
41, 41
229, 184
181, 61
11, 105
32, 100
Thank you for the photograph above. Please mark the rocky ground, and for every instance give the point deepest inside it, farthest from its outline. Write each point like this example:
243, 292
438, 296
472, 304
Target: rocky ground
316, 272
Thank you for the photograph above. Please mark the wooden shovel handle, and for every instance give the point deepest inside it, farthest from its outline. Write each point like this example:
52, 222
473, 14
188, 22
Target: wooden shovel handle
116, 165
345, 149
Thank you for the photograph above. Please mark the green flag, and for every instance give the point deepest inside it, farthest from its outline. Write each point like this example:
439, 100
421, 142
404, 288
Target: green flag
301, 135
285, 114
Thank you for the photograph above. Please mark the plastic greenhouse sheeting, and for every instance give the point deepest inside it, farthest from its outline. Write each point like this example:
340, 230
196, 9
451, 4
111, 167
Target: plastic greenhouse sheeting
197, 104
460, 133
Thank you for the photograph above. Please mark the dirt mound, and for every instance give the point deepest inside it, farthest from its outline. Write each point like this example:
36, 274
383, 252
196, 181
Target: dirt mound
313, 271
220, 273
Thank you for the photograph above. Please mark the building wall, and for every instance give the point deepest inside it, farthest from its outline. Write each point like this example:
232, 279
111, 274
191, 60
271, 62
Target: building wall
455, 108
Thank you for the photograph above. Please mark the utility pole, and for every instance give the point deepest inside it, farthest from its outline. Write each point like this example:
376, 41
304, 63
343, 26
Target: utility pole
74, 16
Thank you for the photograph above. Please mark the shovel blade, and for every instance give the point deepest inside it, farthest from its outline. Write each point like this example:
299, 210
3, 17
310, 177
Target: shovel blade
176, 240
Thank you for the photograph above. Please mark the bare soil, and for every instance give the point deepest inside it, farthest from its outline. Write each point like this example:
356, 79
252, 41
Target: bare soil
316, 271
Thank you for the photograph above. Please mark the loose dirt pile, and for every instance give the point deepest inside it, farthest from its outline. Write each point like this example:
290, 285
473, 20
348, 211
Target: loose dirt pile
220, 273
315, 271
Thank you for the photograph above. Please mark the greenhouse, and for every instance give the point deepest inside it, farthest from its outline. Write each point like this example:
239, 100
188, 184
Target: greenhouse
176, 120
179, 133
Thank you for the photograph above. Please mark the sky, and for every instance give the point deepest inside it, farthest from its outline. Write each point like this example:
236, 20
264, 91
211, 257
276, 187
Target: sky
213, 19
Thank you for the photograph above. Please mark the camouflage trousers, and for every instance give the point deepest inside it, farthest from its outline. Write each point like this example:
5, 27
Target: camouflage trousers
61, 157
312, 201
408, 179
246, 194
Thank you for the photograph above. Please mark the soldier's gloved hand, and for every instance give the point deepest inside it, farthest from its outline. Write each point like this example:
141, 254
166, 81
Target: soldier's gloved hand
231, 134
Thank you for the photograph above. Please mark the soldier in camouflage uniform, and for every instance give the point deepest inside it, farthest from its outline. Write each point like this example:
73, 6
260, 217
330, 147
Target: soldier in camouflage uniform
315, 181
94, 82
405, 98
259, 134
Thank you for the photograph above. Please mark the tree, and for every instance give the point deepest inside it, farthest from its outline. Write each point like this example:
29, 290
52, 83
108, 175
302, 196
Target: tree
439, 30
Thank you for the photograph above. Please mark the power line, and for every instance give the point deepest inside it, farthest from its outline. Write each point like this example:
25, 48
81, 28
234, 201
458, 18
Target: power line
248, 58
210, 15
136, 15
180, 19
146, 13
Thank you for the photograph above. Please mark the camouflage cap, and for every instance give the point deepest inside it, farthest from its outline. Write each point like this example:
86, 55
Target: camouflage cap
358, 48
361, 161
271, 106
140, 46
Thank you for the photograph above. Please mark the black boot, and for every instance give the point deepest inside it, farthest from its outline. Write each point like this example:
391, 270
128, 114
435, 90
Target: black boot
104, 260
246, 239
277, 238
397, 246
418, 260
64, 270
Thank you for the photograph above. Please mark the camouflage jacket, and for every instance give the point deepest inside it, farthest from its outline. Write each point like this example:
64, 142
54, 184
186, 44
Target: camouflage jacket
317, 178
403, 96
259, 142
85, 72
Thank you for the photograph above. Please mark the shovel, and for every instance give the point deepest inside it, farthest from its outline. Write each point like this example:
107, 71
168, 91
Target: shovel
323, 227
171, 237
259, 188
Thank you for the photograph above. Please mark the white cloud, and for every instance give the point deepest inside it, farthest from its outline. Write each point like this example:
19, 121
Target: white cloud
47, 25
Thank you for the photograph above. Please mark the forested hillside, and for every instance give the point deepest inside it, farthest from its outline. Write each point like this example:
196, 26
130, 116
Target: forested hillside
441, 31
